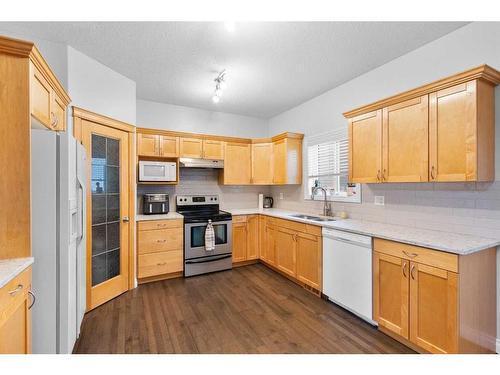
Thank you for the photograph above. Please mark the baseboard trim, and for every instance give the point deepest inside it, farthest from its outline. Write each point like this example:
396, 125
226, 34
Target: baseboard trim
498, 346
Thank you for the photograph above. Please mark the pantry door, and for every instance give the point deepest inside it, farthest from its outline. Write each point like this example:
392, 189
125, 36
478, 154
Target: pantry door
108, 212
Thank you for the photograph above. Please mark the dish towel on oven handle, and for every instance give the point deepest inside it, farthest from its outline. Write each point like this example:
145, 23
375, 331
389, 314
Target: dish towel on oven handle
209, 237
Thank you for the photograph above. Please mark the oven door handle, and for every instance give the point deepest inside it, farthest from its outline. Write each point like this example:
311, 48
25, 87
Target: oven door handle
207, 260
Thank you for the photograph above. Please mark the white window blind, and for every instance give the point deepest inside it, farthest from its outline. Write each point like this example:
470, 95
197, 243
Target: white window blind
328, 166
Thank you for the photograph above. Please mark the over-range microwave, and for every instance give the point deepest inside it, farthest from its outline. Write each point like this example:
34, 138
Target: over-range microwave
152, 171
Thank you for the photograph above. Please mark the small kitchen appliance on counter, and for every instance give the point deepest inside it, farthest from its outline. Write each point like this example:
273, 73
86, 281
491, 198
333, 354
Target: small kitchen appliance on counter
268, 202
154, 204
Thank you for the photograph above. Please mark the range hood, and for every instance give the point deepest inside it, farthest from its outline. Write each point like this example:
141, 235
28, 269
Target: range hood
201, 163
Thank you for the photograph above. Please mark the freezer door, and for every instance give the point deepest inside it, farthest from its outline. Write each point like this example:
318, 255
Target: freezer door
81, 236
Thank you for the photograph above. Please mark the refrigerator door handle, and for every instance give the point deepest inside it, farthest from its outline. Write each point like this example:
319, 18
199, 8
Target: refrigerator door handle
81, 196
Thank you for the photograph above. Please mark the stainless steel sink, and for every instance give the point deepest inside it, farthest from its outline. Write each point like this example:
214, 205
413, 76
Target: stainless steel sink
313, 218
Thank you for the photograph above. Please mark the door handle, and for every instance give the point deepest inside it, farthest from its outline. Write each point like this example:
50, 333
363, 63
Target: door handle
411, 271
404, 269
33, 299
378, 175
432, 173
125, 219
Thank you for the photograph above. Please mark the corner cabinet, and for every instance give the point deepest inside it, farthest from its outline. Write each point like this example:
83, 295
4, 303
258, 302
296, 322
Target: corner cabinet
443, 131
436, 301
287, 159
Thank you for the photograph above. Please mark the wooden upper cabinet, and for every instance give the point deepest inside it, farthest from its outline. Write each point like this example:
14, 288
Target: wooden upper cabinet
462, 133
433, 308
148, 144
237, 164
41, 97
191, 148
442, 131
405, 141
213, 149
391, 293
169, 146
287, 161
48, 105
365, 147
262, 164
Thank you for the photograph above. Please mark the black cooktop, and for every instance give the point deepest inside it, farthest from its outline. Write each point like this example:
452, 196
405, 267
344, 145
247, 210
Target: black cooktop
196, 214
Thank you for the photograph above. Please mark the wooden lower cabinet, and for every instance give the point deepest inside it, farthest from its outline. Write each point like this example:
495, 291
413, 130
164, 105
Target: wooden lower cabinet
246, 238
15, 317
286, 249
436, 301
160, 248
309, 259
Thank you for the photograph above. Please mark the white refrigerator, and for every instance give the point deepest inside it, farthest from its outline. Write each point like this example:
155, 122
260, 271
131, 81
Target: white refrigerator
58, 240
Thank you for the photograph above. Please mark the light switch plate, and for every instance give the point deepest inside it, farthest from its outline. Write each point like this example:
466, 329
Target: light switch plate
379, 200
281, 196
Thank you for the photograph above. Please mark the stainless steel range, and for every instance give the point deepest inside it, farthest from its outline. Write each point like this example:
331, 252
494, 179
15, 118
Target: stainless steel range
197, 211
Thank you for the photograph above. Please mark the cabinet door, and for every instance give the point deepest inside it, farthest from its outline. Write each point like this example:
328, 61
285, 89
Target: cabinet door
405, 141
452, 137
286, 251
240, 242
279, 162
213, 149
41, 97
15, 332
309, 260
58, 110
391, 293
253, 237
269, 250
169, 146
262, 235
365, 147
191, 148
433, 308
148, 144
237, 163
262, 163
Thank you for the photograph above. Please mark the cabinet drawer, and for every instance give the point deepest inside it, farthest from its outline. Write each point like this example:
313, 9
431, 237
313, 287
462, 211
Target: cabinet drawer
240, 219
298, 227
159, 224
153, 241
160, 263
9, 301
435, 258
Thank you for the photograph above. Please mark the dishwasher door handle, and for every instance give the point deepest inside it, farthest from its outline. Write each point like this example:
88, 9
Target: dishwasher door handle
351, 242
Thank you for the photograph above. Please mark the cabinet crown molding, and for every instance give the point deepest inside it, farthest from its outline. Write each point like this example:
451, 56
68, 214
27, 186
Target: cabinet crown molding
483, 72
100, 119
23, 48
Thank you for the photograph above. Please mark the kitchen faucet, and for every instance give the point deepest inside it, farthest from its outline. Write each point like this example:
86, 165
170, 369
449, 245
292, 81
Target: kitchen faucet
327, 208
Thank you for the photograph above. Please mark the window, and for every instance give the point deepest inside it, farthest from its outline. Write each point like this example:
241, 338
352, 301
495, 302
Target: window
328, 167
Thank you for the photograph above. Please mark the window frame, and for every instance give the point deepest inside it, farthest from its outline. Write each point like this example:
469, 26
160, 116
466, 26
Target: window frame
337, 135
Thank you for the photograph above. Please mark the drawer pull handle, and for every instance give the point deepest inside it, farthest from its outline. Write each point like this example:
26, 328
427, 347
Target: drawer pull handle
161, 241
33, 299
161, 225
18, 289
161, 264
410, 255
411, 272
404, 270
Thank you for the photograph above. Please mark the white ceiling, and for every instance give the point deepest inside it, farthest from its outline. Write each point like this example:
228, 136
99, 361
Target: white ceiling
272, 66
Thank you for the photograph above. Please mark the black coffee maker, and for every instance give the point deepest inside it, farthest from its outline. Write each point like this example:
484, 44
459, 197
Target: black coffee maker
155, 204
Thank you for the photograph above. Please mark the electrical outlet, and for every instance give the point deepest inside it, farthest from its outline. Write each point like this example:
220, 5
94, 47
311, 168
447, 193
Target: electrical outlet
379, 200
281, 196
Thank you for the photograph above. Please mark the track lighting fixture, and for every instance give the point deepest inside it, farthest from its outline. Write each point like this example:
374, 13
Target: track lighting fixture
220, 84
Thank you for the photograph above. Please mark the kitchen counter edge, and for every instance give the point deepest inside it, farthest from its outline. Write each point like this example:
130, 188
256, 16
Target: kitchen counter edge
10, 268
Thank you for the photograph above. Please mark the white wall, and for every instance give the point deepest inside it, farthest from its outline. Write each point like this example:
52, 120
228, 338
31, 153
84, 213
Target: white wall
468, 208
96, 87
174, 117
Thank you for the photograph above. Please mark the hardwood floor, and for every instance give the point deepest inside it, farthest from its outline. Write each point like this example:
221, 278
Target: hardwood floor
250, 309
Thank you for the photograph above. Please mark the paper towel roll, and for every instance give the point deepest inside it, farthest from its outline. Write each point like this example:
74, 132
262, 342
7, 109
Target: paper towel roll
261, 201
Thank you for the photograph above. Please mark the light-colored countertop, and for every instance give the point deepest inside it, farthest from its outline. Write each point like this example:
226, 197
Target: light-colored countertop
445, 241
170, 216
10, 268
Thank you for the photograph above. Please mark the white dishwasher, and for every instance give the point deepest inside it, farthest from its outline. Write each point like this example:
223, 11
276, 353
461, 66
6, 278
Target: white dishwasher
347, 271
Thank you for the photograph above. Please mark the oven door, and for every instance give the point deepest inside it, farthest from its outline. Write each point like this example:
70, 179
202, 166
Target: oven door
194, 239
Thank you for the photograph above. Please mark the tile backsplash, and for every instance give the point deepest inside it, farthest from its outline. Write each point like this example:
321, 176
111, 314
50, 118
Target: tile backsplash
469, 208
205, 181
